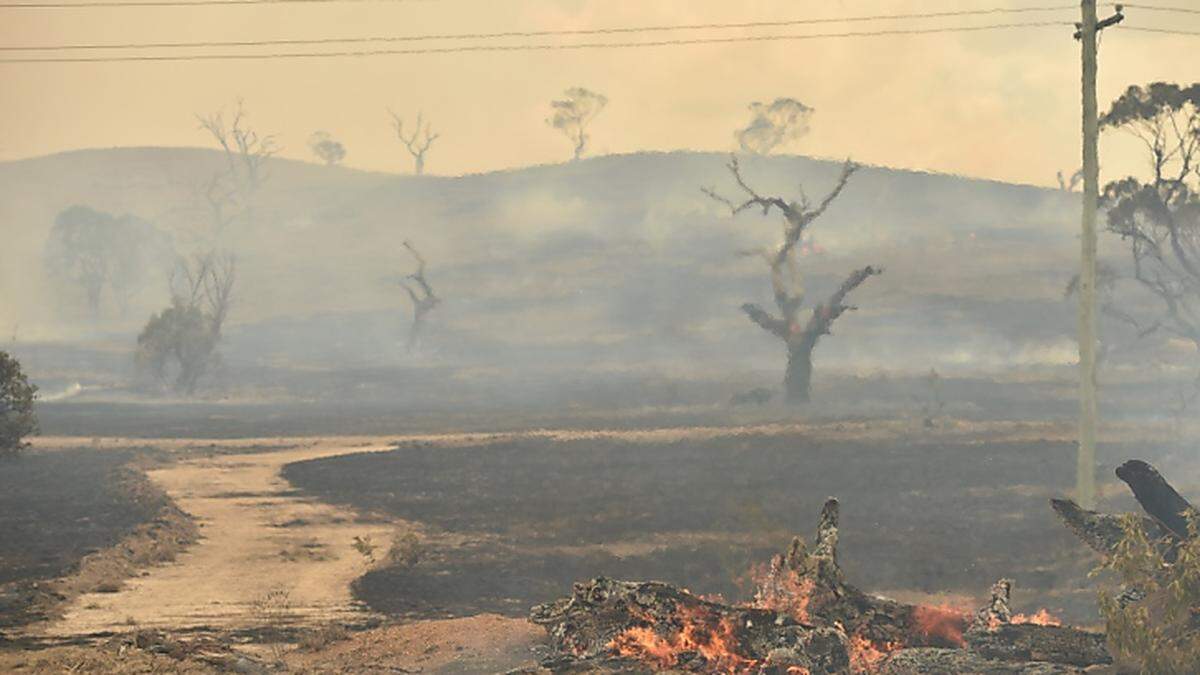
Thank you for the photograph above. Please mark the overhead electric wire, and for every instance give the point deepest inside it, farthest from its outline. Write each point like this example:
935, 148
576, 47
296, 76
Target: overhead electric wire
532, 47
172, 3
519, 34
1166, 31
206, 3
1157, 8
528, 33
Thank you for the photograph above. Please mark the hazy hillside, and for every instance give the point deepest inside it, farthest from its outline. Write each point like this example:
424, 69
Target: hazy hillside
615, 262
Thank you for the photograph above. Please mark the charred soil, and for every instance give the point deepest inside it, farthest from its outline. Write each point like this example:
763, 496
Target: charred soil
512, 523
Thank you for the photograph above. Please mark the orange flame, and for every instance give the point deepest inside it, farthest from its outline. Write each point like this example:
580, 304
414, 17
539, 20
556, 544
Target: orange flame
1040, 618
783, 590
867, 655
942, 625
700, 633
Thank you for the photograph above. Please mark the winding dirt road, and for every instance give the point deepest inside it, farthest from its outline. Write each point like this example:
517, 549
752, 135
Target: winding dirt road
263, 549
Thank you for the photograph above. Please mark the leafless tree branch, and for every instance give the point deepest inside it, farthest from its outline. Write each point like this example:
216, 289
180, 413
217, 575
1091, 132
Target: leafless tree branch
418, 142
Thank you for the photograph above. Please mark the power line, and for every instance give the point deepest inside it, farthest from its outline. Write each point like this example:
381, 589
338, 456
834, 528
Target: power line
535, 47
1167, 31
522, 34
1160, 8
170, 3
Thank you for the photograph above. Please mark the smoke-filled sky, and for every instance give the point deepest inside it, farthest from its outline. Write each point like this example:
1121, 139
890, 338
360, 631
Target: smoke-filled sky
998, 104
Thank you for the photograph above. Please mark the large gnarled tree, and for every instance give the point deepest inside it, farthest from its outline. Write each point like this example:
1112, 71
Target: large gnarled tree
1159, 217
800, 335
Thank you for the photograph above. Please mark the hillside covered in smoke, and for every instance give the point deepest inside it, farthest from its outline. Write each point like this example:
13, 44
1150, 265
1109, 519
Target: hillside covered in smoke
614, 264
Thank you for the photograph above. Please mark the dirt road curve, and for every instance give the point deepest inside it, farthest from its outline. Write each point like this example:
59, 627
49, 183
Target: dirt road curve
257, 538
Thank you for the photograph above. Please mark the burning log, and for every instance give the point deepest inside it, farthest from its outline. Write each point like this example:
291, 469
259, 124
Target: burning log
934, 661
804, 620
622, 622
998, 634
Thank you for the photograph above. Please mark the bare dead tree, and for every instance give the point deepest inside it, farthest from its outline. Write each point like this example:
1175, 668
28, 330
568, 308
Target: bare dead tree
423, 301
418, 142
1159, 218
1069, 184
786, 282
574, 113
230, 193
183, 337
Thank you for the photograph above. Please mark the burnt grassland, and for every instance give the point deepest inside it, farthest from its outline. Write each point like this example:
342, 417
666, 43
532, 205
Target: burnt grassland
514, 523
75, 521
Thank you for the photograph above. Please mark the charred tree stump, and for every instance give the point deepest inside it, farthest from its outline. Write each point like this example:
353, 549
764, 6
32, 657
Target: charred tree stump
829, 600
1158, 498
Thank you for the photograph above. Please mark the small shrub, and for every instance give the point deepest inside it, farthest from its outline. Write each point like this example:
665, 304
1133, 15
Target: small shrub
1161, 633
406, 551
17, 419
273, 609
365, 547
319, 638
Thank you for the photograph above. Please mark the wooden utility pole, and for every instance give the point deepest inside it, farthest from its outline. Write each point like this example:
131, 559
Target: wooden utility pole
1085, 475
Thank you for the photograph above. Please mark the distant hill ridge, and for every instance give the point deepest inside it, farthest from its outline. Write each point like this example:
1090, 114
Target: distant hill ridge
617, 258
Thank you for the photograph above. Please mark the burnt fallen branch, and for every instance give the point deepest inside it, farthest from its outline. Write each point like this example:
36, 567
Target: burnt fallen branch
1158, 499
1100, 531
998, 634
1153, 623
934, 661
805, 619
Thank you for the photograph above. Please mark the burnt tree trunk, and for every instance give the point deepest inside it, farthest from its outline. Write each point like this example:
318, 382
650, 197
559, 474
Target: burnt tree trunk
1164, 504
1102, 532
786, 285
802, 341
1166, 527
797, 382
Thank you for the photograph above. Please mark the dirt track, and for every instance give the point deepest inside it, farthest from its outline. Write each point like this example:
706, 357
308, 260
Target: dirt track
256, 538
